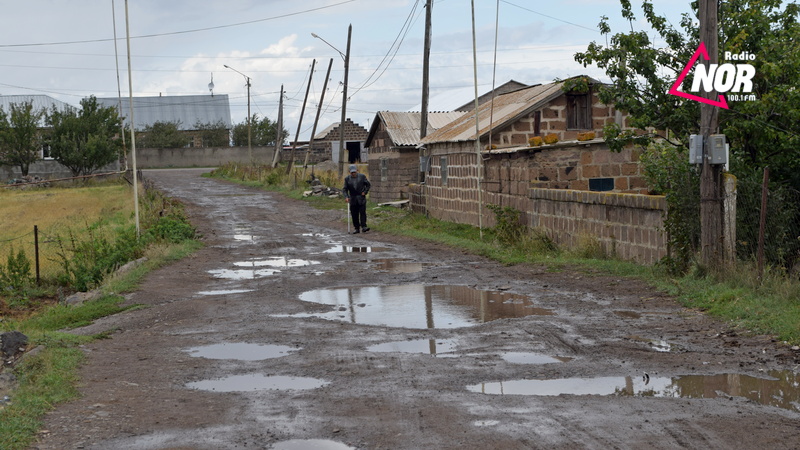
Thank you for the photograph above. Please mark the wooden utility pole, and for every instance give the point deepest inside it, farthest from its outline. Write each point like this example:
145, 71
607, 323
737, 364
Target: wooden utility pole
300, 122
711, 175
426, 59
316, 119
276, 158
342, 148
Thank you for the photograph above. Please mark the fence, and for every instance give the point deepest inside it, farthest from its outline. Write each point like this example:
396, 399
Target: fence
43, 249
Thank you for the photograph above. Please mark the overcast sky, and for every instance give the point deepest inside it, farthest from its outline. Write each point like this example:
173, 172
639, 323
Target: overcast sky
65, 49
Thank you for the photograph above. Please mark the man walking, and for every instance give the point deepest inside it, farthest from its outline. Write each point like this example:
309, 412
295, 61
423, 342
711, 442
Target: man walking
355, 189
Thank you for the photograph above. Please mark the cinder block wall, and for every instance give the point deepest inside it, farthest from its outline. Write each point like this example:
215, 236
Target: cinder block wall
148, 158
628, 226
391, 173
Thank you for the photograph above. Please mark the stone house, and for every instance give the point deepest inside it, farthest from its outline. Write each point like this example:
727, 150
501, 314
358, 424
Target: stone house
325, 145
394, 157
529, 178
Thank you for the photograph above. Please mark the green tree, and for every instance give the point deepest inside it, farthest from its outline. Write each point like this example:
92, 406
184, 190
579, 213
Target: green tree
20, 139
87, 139
213, 134
264, 132
163, 135
761, 132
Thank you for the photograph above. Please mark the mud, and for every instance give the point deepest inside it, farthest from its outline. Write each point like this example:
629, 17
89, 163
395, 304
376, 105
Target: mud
140, 388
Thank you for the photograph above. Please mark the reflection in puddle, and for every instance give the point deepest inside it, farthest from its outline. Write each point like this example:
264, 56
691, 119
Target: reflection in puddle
355, 249
430, 346
276, 261
398, 265
258, 382
225, 292
243, 233
243, 274
782, 390
310, 444
420, 306
532, 358
241, 351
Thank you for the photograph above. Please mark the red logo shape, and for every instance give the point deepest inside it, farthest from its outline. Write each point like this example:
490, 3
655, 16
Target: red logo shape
701, 49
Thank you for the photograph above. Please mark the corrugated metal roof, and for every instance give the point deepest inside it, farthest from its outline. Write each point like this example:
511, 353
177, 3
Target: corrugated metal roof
186, 109
39, 102
404, 127
507, 108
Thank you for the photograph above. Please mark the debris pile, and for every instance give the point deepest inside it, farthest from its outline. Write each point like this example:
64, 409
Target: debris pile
320, 190
28, 181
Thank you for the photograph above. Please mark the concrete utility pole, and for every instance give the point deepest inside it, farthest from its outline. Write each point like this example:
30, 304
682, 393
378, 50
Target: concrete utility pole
300, 121
278, 133
711, 244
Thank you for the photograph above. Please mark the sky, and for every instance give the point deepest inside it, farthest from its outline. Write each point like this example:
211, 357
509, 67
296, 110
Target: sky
66, 49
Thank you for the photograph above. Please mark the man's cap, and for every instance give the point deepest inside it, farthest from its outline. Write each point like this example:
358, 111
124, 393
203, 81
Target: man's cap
353, 168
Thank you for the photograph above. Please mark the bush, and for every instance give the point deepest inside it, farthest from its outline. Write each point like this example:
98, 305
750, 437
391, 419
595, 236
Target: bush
508, 228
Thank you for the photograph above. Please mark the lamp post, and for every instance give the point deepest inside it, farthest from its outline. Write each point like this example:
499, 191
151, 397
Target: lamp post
249, 118
346, 57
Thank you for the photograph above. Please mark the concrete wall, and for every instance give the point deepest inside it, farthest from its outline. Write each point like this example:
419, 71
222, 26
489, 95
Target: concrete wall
48, 170
149, 158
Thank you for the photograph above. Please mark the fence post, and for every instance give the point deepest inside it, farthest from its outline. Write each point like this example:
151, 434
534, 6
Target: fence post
762, 223
36, 251
729, 217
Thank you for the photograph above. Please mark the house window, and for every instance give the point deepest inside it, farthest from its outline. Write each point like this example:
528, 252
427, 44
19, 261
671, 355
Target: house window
537, 123
46, 152
601, 184
579, 111
443, 169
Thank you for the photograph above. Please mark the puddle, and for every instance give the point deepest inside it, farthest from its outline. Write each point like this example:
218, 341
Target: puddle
398, 265
243, 274
225, 292
628, 314
486, 423
355, 249
258, 382
310, 444
276, 261
532, 358
781, 390
241, 351
658, 345
420, 306
427, 346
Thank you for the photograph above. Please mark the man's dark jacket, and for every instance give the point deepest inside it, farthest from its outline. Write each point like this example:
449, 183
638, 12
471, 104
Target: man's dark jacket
355, 187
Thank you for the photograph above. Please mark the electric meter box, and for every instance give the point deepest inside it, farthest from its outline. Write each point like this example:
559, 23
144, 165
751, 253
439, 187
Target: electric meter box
696, 149
717, 149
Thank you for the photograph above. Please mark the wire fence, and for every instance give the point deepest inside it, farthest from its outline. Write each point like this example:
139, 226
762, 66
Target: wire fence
42, 248
781, 237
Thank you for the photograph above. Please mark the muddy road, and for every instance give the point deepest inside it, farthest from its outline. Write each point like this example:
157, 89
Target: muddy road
285, 332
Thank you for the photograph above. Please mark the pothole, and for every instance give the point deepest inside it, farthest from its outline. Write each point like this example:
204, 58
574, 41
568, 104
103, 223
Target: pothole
659, 345
532, 358
225, 292
781, 390
276, 261
398, 266
241, 351
258, 382
310, 444
242, 274
426, 346
419, 306
355, 249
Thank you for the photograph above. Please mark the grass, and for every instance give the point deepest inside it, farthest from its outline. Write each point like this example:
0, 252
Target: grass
49, 377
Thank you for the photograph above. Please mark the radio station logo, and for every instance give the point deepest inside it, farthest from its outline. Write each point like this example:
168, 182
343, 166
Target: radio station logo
736, 80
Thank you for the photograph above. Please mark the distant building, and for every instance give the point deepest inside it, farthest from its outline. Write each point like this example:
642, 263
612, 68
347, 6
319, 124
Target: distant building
185, 110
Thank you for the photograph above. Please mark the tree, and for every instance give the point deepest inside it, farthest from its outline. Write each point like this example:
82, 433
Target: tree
213, 134
163, 135
84, 140
263, 132
20, 139
765, 131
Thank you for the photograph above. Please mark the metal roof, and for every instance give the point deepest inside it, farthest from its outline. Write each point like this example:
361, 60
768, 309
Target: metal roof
507, 109
39, 102
186, 109
404, 127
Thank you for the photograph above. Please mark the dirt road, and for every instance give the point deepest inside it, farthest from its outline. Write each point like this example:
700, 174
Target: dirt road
285, 332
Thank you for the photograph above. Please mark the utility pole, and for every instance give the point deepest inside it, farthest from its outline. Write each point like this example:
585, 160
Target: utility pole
711, 175
426, 59
316, 119
279, 133
300, 122
344, 101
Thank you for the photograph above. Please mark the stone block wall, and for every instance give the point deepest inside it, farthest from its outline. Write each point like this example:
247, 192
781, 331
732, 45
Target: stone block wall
391, 173
628, 226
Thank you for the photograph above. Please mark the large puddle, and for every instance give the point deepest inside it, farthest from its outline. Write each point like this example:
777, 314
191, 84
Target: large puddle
532, 358
258, 382
397, 266
241, 351
258, 268
355, 249
782, 389
433, 347
310, 444
420, 306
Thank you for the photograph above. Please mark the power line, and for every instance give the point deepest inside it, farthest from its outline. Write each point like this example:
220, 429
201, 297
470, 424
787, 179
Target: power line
173, 33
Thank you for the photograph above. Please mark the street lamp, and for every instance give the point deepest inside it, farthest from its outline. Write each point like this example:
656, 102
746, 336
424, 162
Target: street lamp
346, 57
249, 119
